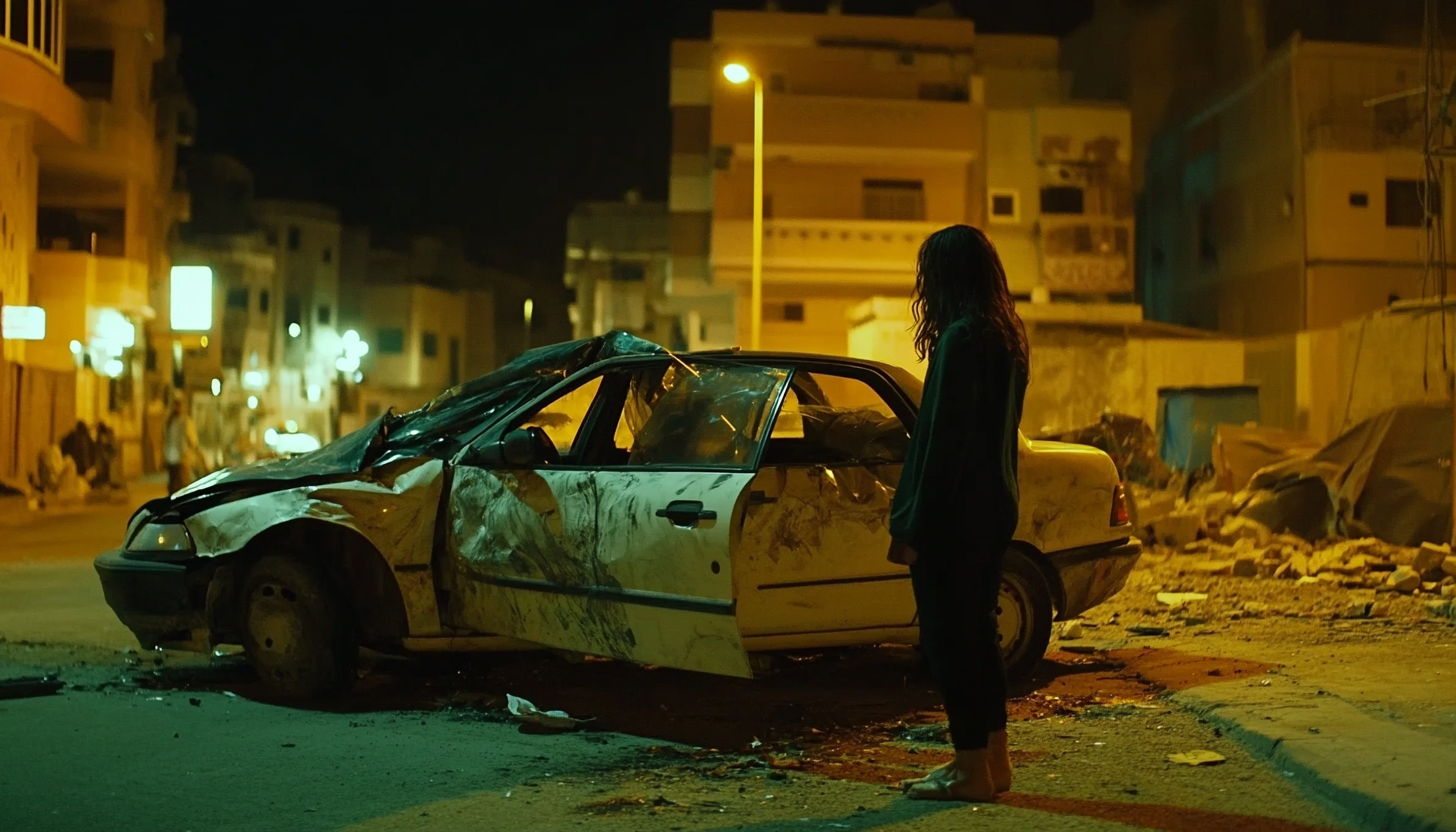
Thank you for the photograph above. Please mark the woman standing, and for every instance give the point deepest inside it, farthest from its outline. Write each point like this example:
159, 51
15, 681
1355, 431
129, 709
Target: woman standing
956, 506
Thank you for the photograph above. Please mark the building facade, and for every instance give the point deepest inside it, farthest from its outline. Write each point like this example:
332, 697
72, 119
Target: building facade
617, 266
86, 207
877, 132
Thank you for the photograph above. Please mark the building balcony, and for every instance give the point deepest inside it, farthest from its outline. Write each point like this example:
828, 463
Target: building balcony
835, 129
863, 251
32, 43
1086, 255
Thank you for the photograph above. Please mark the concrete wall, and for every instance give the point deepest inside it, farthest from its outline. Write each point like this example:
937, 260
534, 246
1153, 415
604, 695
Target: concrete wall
1394, 357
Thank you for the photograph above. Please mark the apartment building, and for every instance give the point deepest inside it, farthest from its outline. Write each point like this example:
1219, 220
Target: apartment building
877, 132
617, 267
85, 208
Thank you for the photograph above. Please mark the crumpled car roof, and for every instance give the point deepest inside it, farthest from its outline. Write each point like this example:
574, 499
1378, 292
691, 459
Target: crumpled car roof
396, 436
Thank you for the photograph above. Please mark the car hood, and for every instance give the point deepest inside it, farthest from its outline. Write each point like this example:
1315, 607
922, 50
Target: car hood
430, 430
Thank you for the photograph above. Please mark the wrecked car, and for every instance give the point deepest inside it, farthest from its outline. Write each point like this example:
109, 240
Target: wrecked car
604, 497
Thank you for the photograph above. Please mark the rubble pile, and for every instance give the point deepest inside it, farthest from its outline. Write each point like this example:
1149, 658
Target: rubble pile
1200, 537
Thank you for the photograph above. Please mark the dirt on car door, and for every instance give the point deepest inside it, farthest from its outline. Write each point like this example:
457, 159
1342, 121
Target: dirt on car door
631, 559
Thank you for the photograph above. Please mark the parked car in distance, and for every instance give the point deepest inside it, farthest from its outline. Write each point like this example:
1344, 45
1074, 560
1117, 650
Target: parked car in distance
604, 496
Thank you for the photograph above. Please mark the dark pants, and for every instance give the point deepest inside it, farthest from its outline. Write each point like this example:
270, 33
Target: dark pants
179, 476
956, 594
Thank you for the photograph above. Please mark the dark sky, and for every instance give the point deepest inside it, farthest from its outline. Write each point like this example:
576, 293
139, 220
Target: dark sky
491, 116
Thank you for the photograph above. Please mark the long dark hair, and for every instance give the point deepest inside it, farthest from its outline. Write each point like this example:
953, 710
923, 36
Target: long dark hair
959, 275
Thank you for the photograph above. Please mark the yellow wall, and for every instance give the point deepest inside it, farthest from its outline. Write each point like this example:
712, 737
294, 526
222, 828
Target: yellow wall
821, 191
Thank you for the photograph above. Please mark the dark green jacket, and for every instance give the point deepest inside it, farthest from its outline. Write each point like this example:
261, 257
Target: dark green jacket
958, 490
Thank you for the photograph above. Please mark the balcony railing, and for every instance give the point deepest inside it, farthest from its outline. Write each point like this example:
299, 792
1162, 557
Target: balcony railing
1086, 255
35, 28
868, 246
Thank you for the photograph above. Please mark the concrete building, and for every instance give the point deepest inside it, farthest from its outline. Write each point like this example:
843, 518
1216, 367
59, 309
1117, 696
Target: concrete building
879, 131
306, 241
86, 205
617, 265
416, 335
1290, 204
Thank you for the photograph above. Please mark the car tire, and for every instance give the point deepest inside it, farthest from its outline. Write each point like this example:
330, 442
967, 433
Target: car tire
1023, 614
297, 630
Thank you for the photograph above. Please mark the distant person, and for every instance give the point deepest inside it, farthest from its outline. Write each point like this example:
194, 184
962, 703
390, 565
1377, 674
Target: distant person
955, 509
79, 446
180, 446
105, 455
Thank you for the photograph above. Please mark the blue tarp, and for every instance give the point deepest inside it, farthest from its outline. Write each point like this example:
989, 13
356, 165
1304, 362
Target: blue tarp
1188, 417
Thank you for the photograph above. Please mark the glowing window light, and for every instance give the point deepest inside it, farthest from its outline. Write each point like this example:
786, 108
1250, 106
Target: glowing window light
191, 298
22, 323
315, 392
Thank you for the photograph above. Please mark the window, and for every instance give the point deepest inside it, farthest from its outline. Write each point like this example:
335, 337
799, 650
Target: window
793, 312
263, 300
664, 414
292, 310
894, 199
325, 315
1405, 203
629, 272
237, 299
328, 255
938, 91
1005, 205
89, 71
562, 419
429, 345
1359, 199
831, 419
295, 238
1061, 199
391, 341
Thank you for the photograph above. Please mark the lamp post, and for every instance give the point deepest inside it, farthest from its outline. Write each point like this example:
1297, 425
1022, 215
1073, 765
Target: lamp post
738, 74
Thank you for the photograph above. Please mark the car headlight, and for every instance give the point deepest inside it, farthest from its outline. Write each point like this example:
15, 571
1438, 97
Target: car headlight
161, 537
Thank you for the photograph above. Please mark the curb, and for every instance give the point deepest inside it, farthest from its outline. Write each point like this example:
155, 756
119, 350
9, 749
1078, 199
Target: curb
1366, 768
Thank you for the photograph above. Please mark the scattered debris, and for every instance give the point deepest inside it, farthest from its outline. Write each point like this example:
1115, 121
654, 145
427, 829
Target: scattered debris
1197, 758
529, 714
1140, 630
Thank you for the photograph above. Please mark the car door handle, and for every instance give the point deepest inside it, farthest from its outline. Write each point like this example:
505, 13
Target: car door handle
686, 512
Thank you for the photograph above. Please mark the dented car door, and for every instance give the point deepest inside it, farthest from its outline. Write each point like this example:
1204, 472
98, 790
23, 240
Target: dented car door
623, 547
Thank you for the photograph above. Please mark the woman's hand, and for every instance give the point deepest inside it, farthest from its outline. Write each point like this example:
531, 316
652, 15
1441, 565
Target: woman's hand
901, 553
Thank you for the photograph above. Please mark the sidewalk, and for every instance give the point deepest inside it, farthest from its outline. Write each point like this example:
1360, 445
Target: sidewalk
16, 510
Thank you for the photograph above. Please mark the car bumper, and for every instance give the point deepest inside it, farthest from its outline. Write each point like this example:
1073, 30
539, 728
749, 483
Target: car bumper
163, 604
1092, 574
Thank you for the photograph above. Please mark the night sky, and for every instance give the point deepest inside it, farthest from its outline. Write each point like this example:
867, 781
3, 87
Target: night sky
492, 116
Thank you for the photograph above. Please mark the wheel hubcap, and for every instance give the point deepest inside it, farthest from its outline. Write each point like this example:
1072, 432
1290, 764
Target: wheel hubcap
273, 618
1013, 615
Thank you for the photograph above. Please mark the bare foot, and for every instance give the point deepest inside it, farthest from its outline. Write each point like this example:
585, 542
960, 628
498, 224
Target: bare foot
999, 761
966, 779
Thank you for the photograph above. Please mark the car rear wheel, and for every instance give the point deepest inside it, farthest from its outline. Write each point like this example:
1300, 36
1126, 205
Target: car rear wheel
1023, 614
297, 630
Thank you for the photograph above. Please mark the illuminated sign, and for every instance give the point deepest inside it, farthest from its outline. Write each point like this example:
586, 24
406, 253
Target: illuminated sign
191, 298
22, 323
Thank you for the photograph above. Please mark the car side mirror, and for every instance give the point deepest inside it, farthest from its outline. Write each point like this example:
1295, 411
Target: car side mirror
515, 448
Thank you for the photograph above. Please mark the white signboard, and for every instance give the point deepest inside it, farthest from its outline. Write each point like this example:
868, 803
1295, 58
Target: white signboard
23, 323
191, 299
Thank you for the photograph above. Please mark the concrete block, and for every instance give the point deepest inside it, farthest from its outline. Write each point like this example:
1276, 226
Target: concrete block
1430, 556
1404, 579
1448, 565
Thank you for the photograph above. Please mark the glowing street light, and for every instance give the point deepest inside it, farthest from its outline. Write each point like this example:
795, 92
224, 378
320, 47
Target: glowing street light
738, 74
294, 330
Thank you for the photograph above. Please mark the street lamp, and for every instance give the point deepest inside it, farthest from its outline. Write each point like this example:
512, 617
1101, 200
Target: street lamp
738, 74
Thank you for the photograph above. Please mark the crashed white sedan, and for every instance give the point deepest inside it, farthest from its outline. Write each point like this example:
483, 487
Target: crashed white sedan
605, 497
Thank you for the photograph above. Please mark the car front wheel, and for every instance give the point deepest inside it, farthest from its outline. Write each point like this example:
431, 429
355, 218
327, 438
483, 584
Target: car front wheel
297, 630
1023, 614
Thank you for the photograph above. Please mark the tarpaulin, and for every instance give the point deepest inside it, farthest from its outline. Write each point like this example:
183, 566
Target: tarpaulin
1239, 452
1389, 476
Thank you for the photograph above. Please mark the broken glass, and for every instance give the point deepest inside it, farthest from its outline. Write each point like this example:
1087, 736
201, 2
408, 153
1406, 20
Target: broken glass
706, 414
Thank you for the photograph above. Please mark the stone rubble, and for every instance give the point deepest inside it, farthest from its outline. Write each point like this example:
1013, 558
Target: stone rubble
1190, 542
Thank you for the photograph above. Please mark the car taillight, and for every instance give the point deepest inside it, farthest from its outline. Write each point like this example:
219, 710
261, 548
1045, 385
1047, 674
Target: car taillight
1119, 506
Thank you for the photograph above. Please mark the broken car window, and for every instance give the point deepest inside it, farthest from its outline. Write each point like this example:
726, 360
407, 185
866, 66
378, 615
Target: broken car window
704, 414
828, 419
562, 418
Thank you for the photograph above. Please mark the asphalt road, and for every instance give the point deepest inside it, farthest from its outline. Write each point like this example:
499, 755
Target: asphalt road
171, 742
